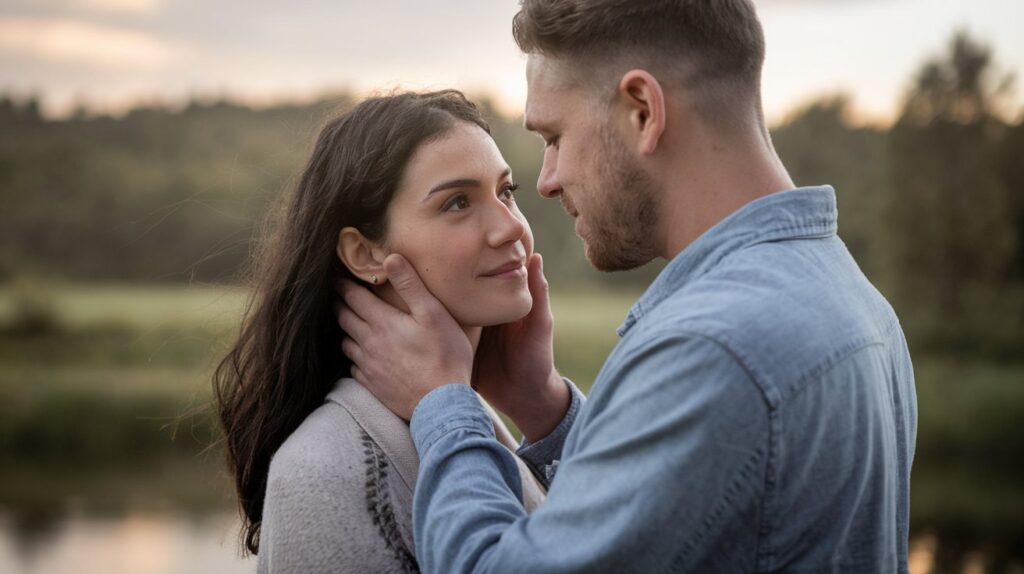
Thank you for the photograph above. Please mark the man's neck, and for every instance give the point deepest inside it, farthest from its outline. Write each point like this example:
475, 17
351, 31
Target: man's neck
712, 181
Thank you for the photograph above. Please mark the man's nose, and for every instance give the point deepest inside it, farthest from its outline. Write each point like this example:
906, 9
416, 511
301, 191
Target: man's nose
547, 182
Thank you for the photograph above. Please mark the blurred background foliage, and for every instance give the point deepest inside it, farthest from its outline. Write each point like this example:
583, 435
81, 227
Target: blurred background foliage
123, 241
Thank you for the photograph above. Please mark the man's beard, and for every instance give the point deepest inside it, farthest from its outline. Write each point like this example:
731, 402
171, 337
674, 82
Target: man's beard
622, 221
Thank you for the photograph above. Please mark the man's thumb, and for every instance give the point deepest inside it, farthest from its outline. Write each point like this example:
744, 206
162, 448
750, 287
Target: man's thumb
407, 284
537, 282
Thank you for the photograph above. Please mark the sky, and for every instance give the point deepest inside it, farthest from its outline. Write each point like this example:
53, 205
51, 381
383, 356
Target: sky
113, 54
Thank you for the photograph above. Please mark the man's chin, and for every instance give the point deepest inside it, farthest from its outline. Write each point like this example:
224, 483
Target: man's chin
610, 262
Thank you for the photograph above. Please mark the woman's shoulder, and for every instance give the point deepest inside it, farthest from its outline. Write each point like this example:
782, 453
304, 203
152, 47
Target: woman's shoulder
321, 447
328, 504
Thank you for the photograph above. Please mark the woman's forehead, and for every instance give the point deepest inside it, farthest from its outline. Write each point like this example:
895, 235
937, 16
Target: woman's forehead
464, 151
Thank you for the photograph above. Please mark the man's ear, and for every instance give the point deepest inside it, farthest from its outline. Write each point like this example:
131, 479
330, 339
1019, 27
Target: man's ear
644, 101
364, 258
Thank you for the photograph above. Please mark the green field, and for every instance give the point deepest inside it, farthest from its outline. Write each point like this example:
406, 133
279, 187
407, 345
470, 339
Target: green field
106, 407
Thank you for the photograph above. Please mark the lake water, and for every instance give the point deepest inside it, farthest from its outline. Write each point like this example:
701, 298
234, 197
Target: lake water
173, 544
133, 544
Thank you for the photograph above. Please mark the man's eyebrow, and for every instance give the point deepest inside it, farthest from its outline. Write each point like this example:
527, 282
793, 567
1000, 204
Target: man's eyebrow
462, 183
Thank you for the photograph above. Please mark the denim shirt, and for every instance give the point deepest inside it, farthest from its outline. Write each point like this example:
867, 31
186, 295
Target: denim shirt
757, 415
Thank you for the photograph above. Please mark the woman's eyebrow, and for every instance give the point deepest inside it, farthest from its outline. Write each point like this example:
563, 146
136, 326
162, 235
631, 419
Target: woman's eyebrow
462, 183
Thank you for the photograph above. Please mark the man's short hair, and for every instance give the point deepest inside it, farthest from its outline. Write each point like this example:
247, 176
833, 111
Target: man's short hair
714, 48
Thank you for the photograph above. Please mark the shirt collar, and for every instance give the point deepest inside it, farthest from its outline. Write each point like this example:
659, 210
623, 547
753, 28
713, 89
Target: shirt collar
800, 213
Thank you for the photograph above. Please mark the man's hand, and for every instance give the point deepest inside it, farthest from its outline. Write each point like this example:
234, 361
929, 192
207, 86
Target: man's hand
515, 367
400, 357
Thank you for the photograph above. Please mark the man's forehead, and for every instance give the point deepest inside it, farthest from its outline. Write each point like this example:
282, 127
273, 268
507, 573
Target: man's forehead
543, 72
535, 114
543, 86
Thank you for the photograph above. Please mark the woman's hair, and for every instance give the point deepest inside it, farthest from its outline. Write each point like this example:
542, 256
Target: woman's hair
288, 353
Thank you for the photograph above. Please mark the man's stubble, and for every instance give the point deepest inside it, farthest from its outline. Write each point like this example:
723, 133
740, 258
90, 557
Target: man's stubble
620, 226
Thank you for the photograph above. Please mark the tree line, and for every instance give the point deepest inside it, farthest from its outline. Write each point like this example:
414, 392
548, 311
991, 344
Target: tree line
932, 207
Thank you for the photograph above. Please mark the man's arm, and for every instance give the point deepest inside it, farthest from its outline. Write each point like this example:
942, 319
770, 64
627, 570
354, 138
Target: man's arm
543, 455
672, 460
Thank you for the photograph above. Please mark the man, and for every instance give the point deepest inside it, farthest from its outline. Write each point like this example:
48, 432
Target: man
759, 412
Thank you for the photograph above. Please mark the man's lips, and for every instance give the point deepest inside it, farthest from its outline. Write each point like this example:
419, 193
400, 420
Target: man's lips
569, 208
509, 268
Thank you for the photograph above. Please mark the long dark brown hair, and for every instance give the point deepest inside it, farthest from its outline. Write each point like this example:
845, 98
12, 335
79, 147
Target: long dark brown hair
288, 354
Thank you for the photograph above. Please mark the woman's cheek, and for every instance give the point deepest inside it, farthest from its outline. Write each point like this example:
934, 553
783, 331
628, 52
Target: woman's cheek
527, 239
444, 283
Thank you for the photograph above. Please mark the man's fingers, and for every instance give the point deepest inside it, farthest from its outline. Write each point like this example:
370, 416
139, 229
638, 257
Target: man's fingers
364, 303
409, 286
358, 375
538, 285
352, 350
352, 324
535, 272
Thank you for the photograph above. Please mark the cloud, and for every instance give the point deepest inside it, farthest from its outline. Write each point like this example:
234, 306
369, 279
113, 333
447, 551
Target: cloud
82, 43
120, 6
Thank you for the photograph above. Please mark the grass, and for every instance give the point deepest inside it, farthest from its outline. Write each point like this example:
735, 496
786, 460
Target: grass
111, 408
120, 387
139, 308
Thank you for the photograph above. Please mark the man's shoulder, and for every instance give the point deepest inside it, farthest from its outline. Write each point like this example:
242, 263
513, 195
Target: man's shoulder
782, 315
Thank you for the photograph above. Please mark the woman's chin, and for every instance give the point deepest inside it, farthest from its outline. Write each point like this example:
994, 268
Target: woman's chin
508, 310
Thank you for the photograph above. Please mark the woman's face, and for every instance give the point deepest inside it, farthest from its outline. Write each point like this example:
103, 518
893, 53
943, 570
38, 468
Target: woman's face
454, 217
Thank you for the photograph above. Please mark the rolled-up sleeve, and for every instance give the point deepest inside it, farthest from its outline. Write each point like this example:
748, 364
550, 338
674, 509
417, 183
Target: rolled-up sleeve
543, 456
671, 454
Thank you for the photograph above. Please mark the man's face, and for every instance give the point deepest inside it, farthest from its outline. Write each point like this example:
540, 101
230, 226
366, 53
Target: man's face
589, 169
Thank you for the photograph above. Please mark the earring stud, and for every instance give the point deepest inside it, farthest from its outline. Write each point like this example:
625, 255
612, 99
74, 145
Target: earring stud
373, 279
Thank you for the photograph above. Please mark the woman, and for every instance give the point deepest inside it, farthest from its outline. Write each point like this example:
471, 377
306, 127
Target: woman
324, 472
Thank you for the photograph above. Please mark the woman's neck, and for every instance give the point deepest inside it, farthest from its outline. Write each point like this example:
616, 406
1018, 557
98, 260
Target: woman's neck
473, 334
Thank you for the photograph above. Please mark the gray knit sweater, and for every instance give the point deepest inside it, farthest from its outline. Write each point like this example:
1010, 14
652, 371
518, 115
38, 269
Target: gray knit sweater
339, 493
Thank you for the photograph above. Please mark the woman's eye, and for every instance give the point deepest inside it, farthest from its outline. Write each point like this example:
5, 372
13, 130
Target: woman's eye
509, 191
457, 203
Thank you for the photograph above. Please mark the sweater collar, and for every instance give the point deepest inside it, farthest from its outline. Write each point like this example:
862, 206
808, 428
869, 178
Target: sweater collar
386, 429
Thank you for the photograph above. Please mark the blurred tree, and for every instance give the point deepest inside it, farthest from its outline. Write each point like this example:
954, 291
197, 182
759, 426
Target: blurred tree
1010, 170
950, 235
819, 145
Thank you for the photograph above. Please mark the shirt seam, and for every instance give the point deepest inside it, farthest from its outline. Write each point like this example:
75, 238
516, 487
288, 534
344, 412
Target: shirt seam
729, 350
744, 478
455, 424
828, 364
747, 470
766, 552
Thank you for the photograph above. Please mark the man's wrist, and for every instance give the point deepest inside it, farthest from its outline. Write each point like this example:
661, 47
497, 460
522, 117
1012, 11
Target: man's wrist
546, 410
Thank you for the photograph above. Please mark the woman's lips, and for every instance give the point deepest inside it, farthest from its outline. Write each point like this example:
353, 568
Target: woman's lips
511, 270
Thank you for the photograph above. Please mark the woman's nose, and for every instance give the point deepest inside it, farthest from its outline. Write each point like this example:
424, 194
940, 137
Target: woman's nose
547, 184
506, 225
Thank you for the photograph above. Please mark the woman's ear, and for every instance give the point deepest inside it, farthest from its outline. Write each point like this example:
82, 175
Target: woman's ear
364, 258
